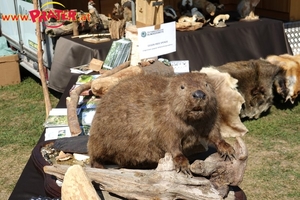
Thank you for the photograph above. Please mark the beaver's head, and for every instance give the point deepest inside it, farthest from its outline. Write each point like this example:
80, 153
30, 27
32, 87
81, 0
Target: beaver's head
192, 96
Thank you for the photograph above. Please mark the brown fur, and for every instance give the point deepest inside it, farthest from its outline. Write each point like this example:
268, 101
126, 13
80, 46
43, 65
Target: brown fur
143, 117
256, 79
229, 107
291, 64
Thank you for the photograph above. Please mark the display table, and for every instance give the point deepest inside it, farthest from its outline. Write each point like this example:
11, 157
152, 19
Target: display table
240, 40
71, 52
32, 182
207, 46
203, 47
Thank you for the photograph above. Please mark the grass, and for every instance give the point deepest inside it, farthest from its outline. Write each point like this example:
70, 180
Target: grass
273, 170
22, 114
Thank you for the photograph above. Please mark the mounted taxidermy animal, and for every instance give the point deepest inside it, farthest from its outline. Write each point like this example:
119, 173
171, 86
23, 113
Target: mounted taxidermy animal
143, 117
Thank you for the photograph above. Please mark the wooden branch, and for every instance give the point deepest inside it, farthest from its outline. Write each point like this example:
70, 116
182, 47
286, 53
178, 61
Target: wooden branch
115, 69
165, 183
77, 185
101, 85
71, 103
90, 35
162, 183
47, 101
224, 173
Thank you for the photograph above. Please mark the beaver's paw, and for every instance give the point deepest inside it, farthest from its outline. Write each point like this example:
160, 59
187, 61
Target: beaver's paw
95, 164
226, 150
182, 165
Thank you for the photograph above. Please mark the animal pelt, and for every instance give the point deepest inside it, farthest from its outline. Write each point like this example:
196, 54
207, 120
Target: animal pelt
230, 102
291, 64
256, 80
142, 118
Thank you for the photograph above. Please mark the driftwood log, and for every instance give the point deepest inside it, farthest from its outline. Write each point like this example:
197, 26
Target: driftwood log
41, 68
162, 183
188, 26
82, 190
222, 173
212, 179
71, 103
104, 84
101, 85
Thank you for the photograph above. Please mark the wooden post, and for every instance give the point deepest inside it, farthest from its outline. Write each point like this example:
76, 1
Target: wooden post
149, 12
40, 64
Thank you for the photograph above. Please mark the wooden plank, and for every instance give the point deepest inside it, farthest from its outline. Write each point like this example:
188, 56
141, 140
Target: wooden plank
107, 7
294, 10
276, 5
284, 16
147, 14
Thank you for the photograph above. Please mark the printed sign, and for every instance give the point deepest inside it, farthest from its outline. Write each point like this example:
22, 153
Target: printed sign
154, 42
180, 66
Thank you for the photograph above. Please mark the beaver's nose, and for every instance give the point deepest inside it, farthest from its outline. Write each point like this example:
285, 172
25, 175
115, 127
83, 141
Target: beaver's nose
199, 94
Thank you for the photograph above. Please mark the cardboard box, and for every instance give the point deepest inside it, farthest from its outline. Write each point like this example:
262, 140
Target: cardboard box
9, 70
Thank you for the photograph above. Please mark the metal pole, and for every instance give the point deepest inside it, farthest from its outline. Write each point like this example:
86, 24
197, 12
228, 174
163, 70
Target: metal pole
133, 11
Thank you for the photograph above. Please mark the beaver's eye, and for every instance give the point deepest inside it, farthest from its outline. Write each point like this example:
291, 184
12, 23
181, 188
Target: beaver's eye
206, 85
182, 87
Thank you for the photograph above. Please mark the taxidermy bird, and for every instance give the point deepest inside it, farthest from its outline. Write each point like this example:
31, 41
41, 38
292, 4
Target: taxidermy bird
246, 9
91, 8
96, 23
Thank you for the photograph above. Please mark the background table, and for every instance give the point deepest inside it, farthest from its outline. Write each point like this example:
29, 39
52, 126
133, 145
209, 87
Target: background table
207, 46
71, 52
240, 40
203, 47
32, 183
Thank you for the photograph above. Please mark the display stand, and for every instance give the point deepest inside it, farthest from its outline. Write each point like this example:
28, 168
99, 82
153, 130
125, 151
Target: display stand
148, 13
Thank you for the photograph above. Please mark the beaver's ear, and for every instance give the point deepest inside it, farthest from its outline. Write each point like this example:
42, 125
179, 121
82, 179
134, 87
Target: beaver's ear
205, 75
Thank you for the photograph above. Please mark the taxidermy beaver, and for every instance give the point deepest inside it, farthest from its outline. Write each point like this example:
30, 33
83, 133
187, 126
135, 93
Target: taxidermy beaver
141, 118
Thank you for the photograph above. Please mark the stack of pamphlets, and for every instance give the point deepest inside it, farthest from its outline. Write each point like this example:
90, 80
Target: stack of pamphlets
118, 53
56, 125
82, 69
